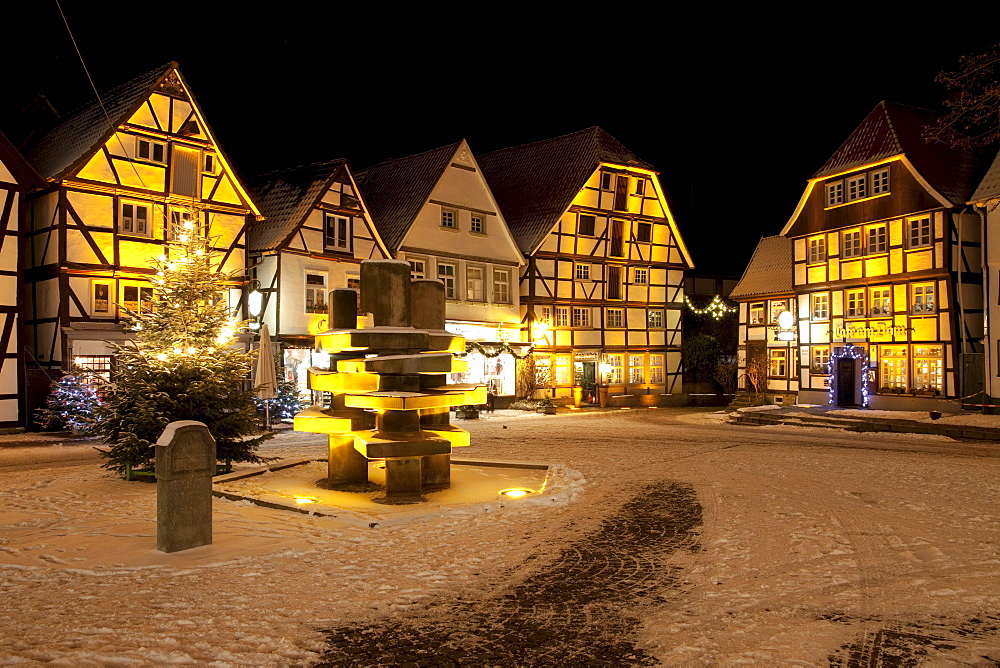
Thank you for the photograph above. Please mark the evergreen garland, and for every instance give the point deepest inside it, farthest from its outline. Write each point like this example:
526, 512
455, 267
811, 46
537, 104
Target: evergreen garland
181, 364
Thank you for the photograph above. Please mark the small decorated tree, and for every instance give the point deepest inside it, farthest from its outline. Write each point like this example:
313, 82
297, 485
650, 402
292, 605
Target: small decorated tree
181, 363
71, 405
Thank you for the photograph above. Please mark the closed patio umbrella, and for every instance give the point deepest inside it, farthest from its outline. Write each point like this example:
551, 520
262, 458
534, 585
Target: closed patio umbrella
266, 383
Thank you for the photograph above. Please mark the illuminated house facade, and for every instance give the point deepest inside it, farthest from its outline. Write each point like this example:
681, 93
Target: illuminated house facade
315, 232
886, 282
603, 281
16, 179
121, 177
436, 211
986, 200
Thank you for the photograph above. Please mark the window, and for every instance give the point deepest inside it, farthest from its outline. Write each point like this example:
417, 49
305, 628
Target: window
581, 316
857, 187
644, 232
605, 181
614, 287
418, 268
855, 304
820, 307
881, 301
880, 182
656, 369
582, 272
851, 245
893, 365
135, 219
562, 316
617, 248
209, 164
757, 313
640, 276
563, 377
147, 149
585, 225
614, 317
636, 369
835, 193
185, 171
876, 239
474, 284
501, 286
94, 371
101, 298
545, 315
184, 222
778, 366
354, 282
920, 231
777, 307
316, 292
923, 298
449, 218
640, 186
137, 298
820, 360
654, 319
615, 375
478, 224
928, 368
446, 274
337, 235
817, 249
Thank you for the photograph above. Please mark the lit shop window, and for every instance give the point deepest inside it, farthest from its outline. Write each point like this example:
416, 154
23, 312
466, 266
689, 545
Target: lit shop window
820, 360
893, 363
779, 360
615, 364
656, 369
928, 369
636, 369
757, 313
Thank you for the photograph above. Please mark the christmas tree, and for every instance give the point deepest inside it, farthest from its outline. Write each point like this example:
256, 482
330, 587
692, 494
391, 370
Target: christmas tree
180, 363
71, 405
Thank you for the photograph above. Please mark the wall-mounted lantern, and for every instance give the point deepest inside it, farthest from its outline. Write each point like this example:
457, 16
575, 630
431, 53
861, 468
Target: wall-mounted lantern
785, 329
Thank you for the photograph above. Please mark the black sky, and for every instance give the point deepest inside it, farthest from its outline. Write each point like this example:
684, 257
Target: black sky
735, 110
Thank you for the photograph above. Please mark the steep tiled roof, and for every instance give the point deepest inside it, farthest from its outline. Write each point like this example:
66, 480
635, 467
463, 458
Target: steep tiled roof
395, 190
891, 129
535, 183
82, 131
989, 187
769, 271
24, 173
285, 198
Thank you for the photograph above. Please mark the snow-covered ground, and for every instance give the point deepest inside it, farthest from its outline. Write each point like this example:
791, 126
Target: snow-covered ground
810, 540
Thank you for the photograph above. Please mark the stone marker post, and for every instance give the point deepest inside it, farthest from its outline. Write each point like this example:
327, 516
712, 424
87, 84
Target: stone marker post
185, 464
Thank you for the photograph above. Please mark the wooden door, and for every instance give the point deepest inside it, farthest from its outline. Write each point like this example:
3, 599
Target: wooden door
845, 382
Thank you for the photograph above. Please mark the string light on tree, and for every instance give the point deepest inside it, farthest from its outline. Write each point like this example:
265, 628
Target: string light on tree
717, 308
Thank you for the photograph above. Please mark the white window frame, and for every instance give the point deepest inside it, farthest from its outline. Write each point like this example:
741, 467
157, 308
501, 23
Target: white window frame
876, 239
341, 238
656, 369
834, 193
851, 244
581, 272
315, 292
449, 277
418, 267
477, 224
881, 301
919, 232
581, 317
819, 360
880, 181
817, 249
614, 318
501, 286
857, 187
128, 225
854, 304
640, 276
109, 284
922, 298
615, 362
562, 316
655, 319
819, 306
151, 146
475, 283
209, 163
606, 182
777, 366
449, 218
755, 314
141, 289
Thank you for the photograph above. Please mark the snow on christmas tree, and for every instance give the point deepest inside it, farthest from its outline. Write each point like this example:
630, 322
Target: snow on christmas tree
181, 363
71, 405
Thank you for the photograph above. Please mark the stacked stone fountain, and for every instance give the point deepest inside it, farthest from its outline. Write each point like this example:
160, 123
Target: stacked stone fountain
388, 382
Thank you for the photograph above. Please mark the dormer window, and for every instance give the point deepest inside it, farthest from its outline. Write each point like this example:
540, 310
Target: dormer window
835, 193
880, 181
857, 187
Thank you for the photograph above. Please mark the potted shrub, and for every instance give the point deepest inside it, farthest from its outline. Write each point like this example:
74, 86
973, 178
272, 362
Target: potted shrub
546, 406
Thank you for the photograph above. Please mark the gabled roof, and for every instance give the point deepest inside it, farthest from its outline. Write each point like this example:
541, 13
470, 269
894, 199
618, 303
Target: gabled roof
395, 190
989, 187
769, 271
85, 129
24, 173
285, 197
892, 129
534, 184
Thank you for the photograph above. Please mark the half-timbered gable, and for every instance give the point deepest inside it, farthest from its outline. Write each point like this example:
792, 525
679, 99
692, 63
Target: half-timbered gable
436, 211
987, 203
16, 179
604, 276
124, 173
315, 232
886, 268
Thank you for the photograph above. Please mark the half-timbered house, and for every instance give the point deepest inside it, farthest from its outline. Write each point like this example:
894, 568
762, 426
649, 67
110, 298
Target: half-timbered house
986, 200
885, 260
123, 173
603, 282
435, 210
315, 233
17, 178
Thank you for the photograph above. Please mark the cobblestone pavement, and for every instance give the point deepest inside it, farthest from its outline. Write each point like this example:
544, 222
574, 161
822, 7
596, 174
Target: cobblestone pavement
578, 610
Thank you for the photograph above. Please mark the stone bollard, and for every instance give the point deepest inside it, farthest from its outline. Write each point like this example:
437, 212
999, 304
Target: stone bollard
185, 464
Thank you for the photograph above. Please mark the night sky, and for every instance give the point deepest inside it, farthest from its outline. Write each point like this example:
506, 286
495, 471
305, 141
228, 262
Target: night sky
735, 112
